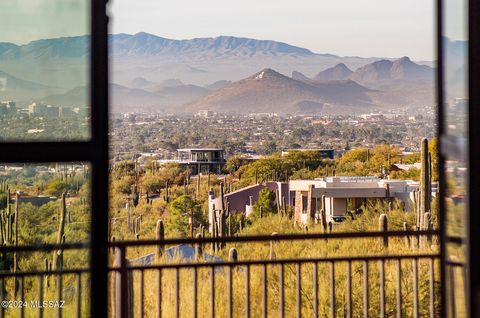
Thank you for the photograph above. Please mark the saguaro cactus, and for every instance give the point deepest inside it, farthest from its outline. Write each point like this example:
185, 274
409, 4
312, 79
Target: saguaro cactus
15, 256
214, 229
198, 248
407, 237
272, 254
198, 181
383, 227
427, 224
233, 255
129, 221
166, 197
160, 235
223, 226
138, 222
47, 282
58, 254
323, 215
425, 185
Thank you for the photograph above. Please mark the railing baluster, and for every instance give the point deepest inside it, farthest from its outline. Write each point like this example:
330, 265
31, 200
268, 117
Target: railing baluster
315, 290
40, 295
22, 296
349, 289
247, 291
365, 289
59, 294
195, 292
453, 300
332, 289
212, 291
299, 289
177, 293
124, 297
2, 297
415, 287
142, 285
281, 288
159, 293
382, 288
264, 286
79, 295
230, 291
399, 288
432, 291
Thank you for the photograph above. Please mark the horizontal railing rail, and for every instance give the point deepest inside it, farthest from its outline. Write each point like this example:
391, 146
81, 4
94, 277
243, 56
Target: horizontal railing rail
278, 261
278, 237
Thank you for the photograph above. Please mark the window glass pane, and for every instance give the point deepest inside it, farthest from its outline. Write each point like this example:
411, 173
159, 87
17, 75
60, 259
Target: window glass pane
456, 107
225, 114
45, 203
44, 58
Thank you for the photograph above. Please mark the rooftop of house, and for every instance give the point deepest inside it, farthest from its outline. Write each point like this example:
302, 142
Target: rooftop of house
199, 149
350, 182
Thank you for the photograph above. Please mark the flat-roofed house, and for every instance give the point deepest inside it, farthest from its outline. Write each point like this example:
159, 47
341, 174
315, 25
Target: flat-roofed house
334, 192
202, 160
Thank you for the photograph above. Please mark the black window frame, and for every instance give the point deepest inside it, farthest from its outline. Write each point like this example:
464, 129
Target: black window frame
94, 151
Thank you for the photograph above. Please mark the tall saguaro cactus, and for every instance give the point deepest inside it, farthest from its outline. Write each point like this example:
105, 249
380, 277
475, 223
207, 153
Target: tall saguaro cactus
425, 183
58, 255
383, 227
323, 215
198, 248
15, 265
160, 235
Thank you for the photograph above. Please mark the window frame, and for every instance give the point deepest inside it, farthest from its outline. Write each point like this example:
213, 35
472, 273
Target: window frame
94, 151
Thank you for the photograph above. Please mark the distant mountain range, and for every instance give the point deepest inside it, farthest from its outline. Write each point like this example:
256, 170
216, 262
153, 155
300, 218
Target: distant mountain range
199, 61
149, 45
144, 44
281, 94
161, 74
383, 73
377, 74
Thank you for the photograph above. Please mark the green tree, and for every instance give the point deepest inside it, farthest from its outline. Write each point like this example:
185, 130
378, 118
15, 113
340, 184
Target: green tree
266, 201
56, 187
124, 185
152, 183
182, 208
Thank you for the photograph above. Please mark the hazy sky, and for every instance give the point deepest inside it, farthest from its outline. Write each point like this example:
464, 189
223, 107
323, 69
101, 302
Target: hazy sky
345, 27
22, 21
383, 28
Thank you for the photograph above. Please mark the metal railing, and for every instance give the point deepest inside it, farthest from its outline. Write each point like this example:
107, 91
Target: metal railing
340, 286
388, 284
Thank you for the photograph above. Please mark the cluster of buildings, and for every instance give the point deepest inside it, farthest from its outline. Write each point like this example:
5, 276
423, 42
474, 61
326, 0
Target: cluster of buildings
9, 108
51, 111
335, 195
